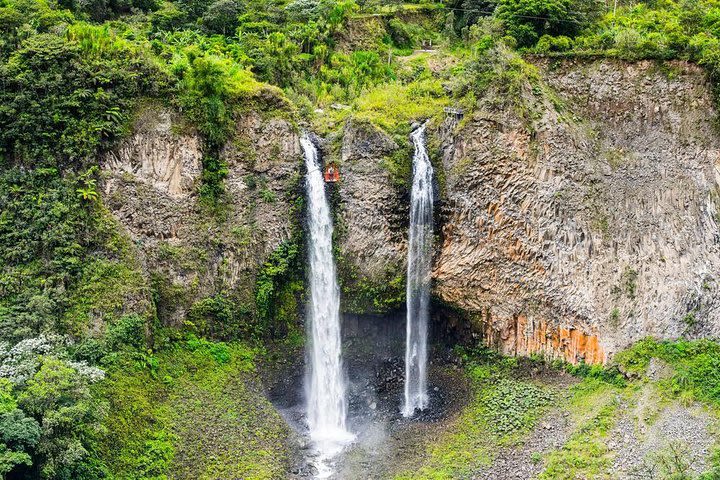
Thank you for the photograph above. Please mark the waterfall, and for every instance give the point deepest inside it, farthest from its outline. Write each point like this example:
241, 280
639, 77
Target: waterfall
418, 277
325, 384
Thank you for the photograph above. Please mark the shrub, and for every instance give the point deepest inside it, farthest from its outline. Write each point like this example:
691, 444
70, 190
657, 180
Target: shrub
511, 406
19, 434
554, 44
276, 275
528, 20
393, 107
399, 33
217, 350
219, 317
128, 331
87, 79
222, 16
696, 365
58, 398
169, 18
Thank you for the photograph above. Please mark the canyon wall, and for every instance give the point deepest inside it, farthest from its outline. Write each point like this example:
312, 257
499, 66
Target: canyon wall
191, 250
571, 222
593, 221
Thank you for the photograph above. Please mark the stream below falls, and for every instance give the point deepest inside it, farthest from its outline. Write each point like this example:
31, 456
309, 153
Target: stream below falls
385, 441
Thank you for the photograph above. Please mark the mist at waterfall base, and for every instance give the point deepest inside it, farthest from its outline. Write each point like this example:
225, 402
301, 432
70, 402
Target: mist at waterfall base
373, 359
326, 389
418, 278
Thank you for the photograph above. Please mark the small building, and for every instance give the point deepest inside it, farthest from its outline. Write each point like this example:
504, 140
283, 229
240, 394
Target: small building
332, 173
453, 112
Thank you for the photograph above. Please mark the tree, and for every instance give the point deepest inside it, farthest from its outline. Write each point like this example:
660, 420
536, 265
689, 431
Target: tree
9, 459
339, 12
222, 17
18, 433
304, 10
59, 399
169, 18
528, 20
470, 11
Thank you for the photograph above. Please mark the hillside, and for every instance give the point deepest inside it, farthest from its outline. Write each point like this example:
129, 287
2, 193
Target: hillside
154, 287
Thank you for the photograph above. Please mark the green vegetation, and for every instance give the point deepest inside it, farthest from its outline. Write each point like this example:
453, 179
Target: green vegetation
219, 317
685, 371
586, 455
279, 289
193, 409
93, 382
362, 295
394, 106
506, 405
502, 409
694, 364
66, 95
46, 229
139, 416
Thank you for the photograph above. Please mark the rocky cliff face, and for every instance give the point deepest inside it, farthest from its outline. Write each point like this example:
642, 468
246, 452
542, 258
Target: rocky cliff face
592, 224
373, 219
188, 251
579, 221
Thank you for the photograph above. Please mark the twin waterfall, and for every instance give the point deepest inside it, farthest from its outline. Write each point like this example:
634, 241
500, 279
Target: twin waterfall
418, 278
326, 389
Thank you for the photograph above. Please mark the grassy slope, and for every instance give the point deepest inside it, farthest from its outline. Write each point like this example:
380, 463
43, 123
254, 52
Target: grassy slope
503, 409
194, 412
593, 406
506, 406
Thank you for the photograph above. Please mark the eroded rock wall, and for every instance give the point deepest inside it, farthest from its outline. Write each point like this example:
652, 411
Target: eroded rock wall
578, 221
151, 186
595, 222
372, 221
372, 210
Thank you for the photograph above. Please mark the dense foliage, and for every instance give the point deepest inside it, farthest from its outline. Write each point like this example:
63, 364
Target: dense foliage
695, 366
660, 30
48, 226
83, 343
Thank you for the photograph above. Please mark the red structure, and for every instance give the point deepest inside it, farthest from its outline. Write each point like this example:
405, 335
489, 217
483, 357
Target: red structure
332, 173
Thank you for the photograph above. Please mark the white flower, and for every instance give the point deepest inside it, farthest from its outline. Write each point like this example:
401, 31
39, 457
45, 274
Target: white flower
92, 374
20, 362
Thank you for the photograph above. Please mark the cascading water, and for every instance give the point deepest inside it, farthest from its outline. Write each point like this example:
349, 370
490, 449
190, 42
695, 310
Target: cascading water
325, 385
418, 277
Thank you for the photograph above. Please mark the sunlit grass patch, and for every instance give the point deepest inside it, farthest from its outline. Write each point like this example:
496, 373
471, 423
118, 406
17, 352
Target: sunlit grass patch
392, 106
594, 409
194, 410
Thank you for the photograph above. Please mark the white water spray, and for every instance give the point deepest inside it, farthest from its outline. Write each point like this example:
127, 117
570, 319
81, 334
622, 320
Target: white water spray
326, 389
418, 278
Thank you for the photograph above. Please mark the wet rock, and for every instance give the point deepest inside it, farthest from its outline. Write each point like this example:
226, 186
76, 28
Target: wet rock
374, 213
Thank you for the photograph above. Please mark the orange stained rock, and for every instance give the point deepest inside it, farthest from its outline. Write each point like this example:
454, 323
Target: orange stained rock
523, 336
498, 217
